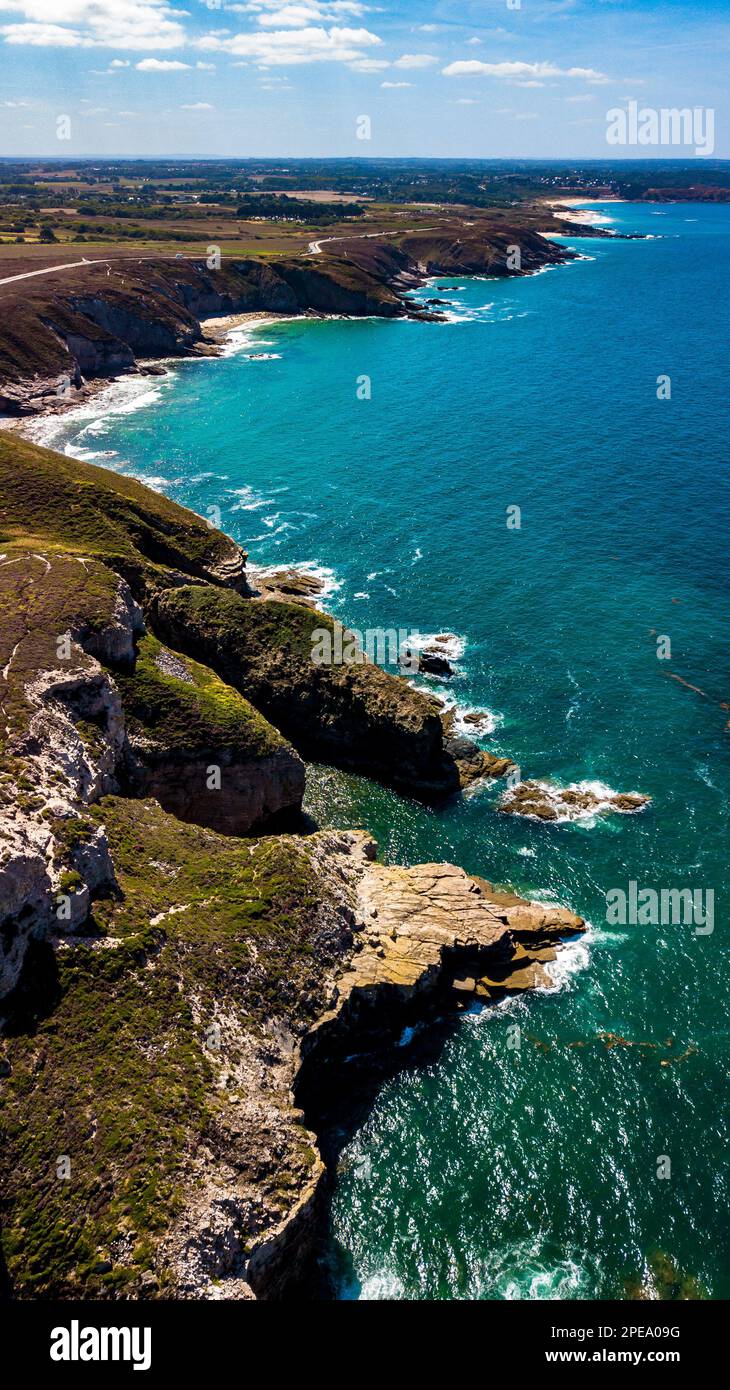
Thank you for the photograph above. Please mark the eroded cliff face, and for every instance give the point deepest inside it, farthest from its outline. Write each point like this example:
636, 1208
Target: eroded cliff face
98, 320
62, 740
183, 1009
354, 715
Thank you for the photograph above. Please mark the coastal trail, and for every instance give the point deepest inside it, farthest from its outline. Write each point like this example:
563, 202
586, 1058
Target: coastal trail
315, 247
93, 260
48, 270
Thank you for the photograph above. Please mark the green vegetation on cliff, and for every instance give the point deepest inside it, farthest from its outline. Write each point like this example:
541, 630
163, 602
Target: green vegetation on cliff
50, 501
181, 706
40, 601
355, 715
202, 932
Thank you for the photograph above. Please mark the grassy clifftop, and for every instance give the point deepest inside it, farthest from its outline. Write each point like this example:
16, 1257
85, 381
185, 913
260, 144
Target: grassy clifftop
49, 500
126, 1052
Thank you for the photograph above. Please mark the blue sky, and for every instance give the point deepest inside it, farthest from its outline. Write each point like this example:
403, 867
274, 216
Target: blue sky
491, 78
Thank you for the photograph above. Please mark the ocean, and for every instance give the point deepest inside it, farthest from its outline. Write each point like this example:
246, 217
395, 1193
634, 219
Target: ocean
590, 1155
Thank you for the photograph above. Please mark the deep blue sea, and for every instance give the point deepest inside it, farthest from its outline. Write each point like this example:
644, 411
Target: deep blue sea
577, 1163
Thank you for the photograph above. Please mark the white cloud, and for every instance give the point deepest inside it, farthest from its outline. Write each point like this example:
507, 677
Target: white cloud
469, 67
161, 65
298, 14
415, 60
197, 106
44, 36
95, 24
369, 65
119, 63
296, 46
394, 85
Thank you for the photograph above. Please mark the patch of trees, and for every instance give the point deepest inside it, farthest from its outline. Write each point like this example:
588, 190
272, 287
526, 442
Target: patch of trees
296, 209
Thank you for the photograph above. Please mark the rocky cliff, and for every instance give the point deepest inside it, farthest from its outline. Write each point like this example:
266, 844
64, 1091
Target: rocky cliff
97, 320
187, 997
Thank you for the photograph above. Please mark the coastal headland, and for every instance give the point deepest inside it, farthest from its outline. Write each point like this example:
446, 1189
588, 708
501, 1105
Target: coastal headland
73, 325
194, 979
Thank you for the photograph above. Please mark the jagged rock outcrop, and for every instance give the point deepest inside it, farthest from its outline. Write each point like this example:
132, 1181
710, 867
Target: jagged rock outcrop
351, 714
63, 735
117, 710
547, 801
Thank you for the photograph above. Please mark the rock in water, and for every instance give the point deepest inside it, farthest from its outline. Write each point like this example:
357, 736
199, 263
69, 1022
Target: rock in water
432, 663
547, 801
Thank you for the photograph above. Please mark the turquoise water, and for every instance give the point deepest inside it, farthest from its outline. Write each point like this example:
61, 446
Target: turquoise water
531, 1173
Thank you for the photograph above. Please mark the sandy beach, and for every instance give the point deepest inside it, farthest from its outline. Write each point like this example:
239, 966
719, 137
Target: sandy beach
588, 216
218, 330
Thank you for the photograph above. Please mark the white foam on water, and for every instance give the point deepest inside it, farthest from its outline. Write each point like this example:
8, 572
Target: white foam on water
491, 718
491, 721
248, 499
123, 397
330, 582
572, 959
522, 1270
383, 1285
269, 535
565, 1280
89, 455
449, 644
156, 482
243, 337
